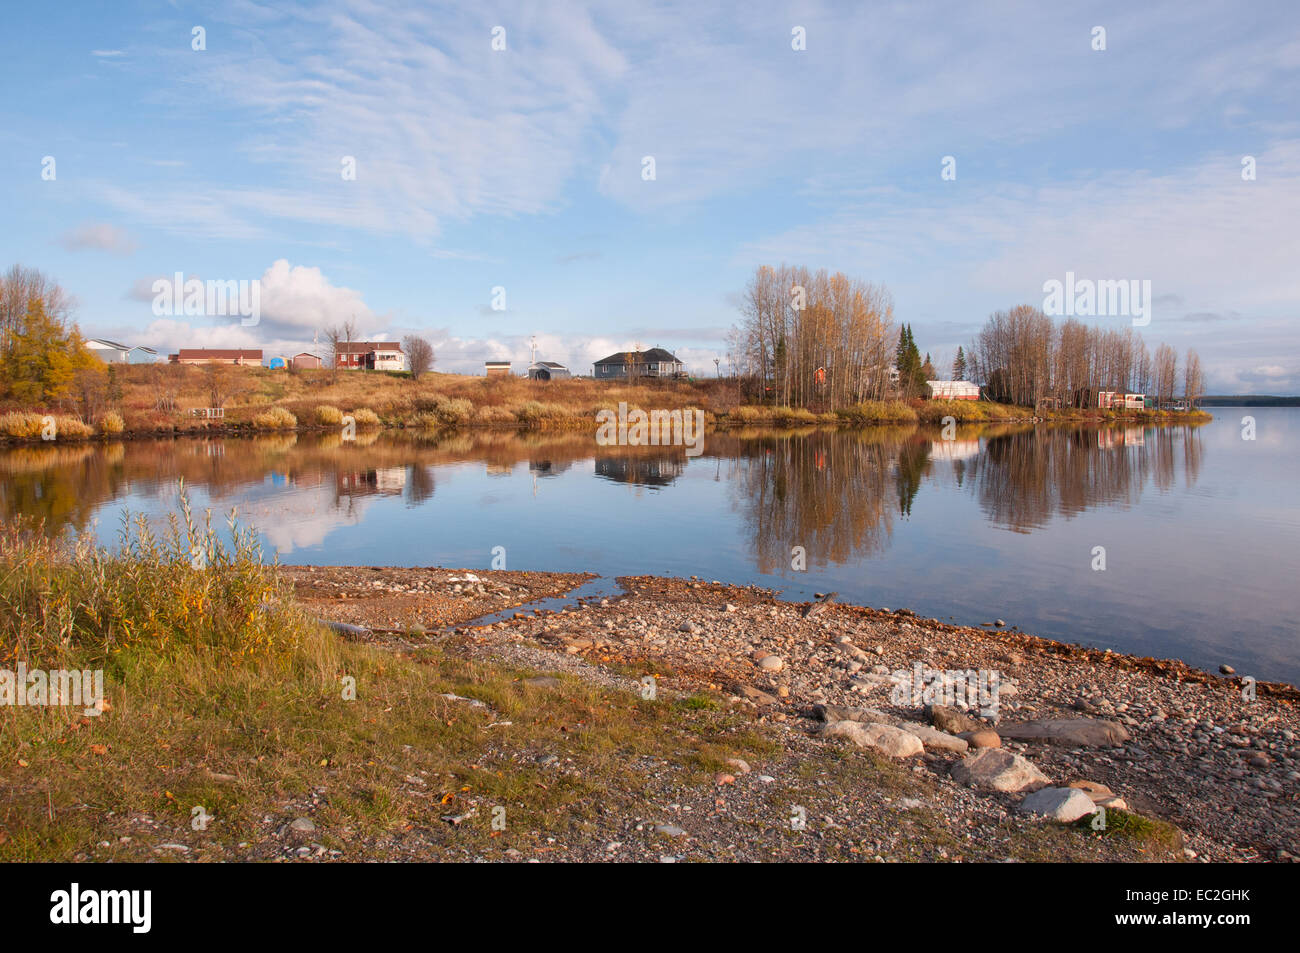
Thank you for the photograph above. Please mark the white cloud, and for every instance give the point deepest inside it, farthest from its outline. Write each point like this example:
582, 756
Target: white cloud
99, 236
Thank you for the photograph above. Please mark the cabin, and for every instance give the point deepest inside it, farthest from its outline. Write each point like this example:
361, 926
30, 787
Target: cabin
548, 371
303, 361
110, 352
216, 355
953, 390
497, 368
369, 356
1114, 400
655, 362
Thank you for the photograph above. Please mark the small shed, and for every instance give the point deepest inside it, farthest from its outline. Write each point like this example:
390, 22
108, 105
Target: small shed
497, 368
548, 371
304, 361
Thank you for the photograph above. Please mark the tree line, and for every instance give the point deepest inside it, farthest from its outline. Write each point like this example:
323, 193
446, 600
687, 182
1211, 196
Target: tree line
1022, 356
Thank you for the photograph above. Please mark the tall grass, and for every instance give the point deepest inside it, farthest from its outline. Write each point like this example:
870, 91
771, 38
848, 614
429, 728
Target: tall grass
178, 590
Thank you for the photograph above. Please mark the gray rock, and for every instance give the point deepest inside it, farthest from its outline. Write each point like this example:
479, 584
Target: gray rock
883, 739
831, 713
1059, 804
771, 663
670, 830
1076, 732
933, 739
994, 769
303, 825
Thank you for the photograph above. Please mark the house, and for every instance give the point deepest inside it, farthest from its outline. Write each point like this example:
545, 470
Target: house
548, 371
497, 368
217, 355
141, 355
953, 390
110, 352
1114, 400
655, 362
369, 355
303, 361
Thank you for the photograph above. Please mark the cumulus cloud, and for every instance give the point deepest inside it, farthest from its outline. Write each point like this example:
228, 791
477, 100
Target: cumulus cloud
300, 298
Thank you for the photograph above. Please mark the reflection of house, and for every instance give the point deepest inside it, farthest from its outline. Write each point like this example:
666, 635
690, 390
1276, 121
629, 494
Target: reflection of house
655, 362
645, 471
383, 481
1128, 437
369, 355
497, 368
303, 361
548, 371
216, 355
954, 449
954, 390
547, 468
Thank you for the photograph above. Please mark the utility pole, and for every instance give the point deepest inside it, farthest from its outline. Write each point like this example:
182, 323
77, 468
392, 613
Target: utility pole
533, 344
717, 367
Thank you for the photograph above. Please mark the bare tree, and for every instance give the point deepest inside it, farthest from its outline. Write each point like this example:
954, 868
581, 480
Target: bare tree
419, 355
1193, 379
1166, 371
339, 338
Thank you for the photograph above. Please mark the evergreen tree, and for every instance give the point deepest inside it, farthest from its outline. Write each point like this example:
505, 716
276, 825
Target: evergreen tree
959, 365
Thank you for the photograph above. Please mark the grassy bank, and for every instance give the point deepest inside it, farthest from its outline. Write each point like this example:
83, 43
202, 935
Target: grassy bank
260, 400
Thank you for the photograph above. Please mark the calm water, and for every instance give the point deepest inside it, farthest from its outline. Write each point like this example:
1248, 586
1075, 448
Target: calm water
1201, 528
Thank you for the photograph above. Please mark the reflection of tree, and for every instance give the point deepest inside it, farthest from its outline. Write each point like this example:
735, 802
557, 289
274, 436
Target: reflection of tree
913, 458
420, 486
1025, 478
827, 492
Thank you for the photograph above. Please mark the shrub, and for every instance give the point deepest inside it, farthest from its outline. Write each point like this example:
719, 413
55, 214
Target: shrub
329, 416
180, 590
493, 415
364, 418
111, 423
26, 425
878, 412
439, 411
22, 425
277, 418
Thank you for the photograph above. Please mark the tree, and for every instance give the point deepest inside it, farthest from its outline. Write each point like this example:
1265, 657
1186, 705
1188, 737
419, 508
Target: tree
419, 355
959, 365
339, 337
1166, 372
795, 322
1193, 379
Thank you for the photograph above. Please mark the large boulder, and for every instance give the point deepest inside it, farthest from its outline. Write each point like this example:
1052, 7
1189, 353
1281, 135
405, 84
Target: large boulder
1075, 732
1059, 804
994, 769
883, 739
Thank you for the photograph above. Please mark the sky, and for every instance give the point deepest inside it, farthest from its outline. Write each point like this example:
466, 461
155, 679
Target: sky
213, 140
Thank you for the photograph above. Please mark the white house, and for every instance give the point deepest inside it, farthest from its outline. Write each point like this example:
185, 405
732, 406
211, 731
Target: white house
110, 352
954, 390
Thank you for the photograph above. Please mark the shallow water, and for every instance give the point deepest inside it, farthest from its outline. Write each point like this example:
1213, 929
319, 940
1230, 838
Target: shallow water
1200, 528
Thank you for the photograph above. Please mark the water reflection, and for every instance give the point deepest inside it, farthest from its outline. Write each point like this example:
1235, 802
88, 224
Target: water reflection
835, 493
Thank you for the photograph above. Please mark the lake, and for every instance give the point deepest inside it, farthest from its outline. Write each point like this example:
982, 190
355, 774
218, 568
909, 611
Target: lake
1199, 528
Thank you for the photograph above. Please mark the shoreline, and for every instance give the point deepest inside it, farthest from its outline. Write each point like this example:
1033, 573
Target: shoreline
1193, 752
714, 424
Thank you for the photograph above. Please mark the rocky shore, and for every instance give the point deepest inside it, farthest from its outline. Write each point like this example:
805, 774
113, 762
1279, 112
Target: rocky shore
1071, 732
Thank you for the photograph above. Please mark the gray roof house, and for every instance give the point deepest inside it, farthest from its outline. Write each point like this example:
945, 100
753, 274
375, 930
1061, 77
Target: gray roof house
548, 371
655, 362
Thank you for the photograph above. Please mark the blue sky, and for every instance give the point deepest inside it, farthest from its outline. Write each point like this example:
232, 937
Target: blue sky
522, 168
